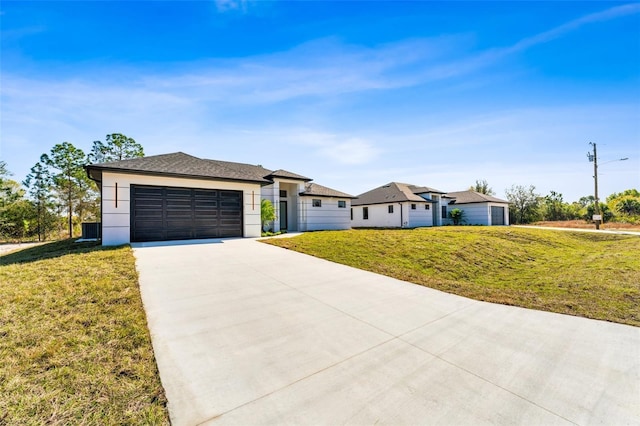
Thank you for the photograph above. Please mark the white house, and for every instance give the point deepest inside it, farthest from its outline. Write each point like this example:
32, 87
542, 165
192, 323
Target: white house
178, 196
402, 205
479, 209
397, 205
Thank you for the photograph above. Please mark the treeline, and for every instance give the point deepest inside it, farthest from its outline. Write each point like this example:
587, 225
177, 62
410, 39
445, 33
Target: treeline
57, 195
527, 206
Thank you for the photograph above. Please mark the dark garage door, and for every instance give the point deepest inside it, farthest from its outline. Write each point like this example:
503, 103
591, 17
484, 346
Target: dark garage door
160, 213
497, 215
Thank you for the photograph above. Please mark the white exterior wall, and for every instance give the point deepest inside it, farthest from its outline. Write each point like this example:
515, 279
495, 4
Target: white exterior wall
402, 217
116, 220
475, 214
479, 213
420, 216
379, 216
327, 217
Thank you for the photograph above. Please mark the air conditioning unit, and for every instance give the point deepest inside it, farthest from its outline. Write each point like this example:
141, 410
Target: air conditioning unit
91, 230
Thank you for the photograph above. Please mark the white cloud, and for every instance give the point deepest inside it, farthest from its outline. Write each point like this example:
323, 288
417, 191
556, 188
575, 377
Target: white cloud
231, 5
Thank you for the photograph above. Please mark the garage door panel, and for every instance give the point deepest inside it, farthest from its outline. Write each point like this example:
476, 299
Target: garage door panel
149, 191
170, 213
497, 215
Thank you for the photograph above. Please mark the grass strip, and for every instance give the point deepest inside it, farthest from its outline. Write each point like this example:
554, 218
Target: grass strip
74, 343
584, 274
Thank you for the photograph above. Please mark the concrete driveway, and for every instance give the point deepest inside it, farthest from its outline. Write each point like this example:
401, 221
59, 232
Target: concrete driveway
247, 333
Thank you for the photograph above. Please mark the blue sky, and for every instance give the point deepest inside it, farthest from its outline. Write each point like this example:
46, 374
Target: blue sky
352, 94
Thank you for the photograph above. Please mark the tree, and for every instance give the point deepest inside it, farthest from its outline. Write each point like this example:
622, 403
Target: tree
16, 213
553, 207
66, 163
523, 203
626, 203
39, 183
117, 147
4, 172
457, 216
267, 212
482, 186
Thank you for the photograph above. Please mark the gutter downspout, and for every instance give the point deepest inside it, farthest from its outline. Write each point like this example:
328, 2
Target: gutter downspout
401, 218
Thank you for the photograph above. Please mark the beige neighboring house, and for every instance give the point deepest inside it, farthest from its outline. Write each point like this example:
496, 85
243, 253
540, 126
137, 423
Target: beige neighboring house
180, 197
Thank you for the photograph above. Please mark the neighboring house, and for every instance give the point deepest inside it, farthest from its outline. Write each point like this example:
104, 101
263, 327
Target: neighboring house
178, 196
397, 205
479, 209
402, 205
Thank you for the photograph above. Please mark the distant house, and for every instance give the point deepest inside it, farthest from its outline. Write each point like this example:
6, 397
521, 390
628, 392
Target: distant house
403, 205
179, 197
479, 209
397, 205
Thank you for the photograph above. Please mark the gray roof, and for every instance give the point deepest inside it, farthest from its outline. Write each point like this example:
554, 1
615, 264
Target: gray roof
470, 197
288, 175
323, 191
393, 192
424, 190
184, 165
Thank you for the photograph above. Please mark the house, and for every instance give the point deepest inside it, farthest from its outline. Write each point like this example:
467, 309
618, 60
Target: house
397, 205
479, 209
402, 205
178, 196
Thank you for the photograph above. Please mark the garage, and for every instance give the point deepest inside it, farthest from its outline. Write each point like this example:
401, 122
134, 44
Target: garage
162, 213
497, 215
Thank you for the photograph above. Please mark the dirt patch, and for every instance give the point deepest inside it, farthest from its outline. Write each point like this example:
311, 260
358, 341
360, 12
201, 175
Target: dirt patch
581, 224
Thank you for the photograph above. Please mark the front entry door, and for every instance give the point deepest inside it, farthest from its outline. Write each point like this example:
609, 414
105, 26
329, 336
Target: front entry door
283, 216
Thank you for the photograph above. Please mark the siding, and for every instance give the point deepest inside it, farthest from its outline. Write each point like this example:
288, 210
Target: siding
420, 216
379, 216
478, 213
327, 217
116, 220
474, 214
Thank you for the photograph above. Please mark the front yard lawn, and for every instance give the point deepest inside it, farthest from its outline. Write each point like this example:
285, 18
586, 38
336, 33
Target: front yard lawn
74, 343
584, 274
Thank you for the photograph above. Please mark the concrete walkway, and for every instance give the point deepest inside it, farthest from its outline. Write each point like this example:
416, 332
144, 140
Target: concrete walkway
247, 333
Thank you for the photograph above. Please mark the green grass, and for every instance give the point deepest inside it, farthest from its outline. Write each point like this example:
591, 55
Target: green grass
74, 343
584, 274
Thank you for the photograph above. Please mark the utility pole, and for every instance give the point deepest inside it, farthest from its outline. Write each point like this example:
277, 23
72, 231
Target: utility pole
594, 158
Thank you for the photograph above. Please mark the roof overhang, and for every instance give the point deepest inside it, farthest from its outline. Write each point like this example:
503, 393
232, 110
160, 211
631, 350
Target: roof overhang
95, 173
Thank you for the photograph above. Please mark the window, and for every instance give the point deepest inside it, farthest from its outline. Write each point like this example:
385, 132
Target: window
390, 209
351, 214
342, 204
413, 206
427, 206
283, 193
444, 212
365, 213
316, 202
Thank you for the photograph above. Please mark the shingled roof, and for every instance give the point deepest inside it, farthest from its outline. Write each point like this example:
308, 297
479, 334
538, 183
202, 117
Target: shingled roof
288, 175
424, 190
323, 191
470, 197
390, 193
184, 165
